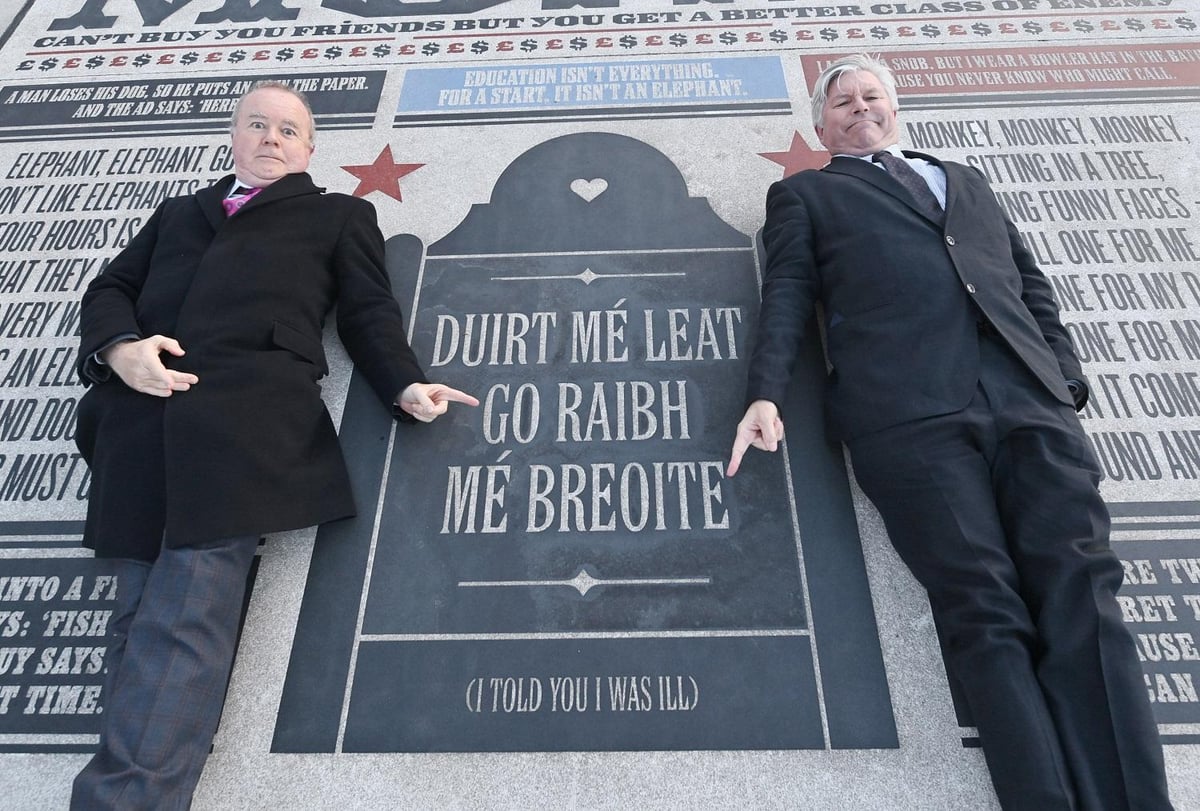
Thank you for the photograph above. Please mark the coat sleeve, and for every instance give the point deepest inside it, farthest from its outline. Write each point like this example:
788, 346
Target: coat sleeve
369, 320
790, 289
109, 308
1038, 297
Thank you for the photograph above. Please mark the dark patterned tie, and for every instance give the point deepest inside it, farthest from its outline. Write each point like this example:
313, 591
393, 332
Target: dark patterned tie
912, 182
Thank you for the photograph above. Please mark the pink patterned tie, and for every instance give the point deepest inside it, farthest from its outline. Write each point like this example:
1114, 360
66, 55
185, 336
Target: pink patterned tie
234, 202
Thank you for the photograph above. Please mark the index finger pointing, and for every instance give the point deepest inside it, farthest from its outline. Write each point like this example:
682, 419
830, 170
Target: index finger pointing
456, 396
740, 445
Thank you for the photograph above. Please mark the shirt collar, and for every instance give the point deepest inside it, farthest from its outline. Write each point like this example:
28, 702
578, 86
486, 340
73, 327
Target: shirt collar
235, 184
893, 149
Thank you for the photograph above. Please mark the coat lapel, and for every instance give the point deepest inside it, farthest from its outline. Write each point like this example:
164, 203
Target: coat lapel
863, 170
210, 201
293, 185
287, 186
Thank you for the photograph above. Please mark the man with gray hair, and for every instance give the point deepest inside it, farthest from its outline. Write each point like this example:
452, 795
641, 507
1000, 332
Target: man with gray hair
204, 427
954, 385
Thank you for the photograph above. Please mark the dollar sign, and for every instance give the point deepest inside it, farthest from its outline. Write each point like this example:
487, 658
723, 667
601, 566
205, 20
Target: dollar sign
1186, 23
828, 34
1084, 25
141, 60
727, 37
627, 41
95, 62
1134, 24
479, 47
879, 32
236, 56
382, 50
678, 40
777, 36
528, 45
578, 44
285, 54
1031, 28
982, 29
333, 52
931, 30
48, 64
430, 48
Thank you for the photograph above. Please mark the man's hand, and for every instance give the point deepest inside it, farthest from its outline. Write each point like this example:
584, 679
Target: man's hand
138, 365
761, 428
428, 401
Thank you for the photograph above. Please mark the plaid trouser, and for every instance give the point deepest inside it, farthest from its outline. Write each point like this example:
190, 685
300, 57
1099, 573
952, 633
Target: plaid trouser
175, 627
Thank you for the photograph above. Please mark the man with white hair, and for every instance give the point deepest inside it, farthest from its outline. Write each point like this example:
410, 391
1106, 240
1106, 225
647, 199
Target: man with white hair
954, 385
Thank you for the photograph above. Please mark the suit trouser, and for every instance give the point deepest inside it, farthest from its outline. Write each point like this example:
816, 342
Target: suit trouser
995, 510
176, 626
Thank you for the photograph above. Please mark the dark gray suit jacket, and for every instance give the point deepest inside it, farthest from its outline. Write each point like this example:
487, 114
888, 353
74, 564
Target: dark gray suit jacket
902, 296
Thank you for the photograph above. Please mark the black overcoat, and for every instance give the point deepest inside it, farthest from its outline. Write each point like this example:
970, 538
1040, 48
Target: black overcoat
251, 447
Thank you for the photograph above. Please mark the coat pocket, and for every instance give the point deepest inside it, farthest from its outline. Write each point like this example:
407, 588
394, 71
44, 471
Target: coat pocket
290, 338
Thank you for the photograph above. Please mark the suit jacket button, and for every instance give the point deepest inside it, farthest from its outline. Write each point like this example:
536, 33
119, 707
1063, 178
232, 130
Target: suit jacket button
971, 289
949, 239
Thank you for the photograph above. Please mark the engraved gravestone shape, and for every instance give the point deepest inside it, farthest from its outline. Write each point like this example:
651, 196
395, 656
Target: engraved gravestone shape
566, 567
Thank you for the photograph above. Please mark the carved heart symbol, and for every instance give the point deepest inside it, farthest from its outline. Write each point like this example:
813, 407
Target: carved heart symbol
589, 190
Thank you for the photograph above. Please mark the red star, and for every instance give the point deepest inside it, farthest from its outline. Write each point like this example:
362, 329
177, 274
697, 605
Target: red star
798, 156
382, 175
